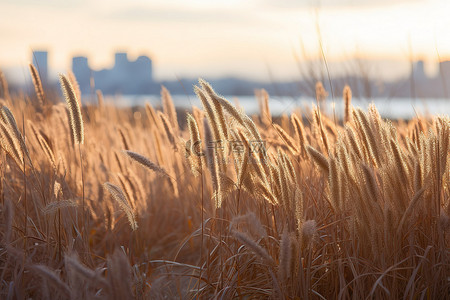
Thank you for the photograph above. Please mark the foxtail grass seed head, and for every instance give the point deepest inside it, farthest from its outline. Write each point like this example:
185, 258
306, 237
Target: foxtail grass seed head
309, 228
168, 128
119, 196
309, 231
285, 255
144, 161
47, 150
76, 119
217, 108
318, 158
321, 93
210, 114
10, 145
4, 89
195, 151
54, 206
253, 246
264, 109
287, 139
300, 132
37, 84
11, 125
74, 82
169, 108
347, 95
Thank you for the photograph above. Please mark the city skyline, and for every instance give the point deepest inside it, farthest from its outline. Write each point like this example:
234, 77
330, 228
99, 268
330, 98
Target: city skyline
240, 38
350, 67
135, 77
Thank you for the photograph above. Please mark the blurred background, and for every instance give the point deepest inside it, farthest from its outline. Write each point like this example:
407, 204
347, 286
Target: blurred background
393, 52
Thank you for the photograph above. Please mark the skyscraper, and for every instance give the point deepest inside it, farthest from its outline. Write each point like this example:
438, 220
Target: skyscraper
82, 72
41, 63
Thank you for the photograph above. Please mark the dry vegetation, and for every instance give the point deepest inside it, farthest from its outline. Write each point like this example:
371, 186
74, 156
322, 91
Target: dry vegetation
101, 202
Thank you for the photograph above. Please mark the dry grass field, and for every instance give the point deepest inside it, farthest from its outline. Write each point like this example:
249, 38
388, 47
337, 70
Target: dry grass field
99, 202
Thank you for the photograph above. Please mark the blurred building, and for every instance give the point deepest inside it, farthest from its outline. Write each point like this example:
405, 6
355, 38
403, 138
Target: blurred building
125, 77
82, 72
419, 71
444, 69
41, 63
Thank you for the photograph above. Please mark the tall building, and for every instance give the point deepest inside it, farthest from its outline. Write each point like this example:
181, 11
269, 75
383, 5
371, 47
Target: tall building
444, 74
120, 60
143, 68
444, 69
82, 72
41, 63
419, 71
132, 72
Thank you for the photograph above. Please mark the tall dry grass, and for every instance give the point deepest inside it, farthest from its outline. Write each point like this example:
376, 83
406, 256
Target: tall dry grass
155, 209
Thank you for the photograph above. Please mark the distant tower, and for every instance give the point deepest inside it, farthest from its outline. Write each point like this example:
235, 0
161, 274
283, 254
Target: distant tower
444, 69
41, 63
444, 74
82, 72
419, 71
143, 68
121, 61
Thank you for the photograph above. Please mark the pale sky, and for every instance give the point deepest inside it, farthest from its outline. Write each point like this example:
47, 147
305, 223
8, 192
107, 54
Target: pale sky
229, 37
